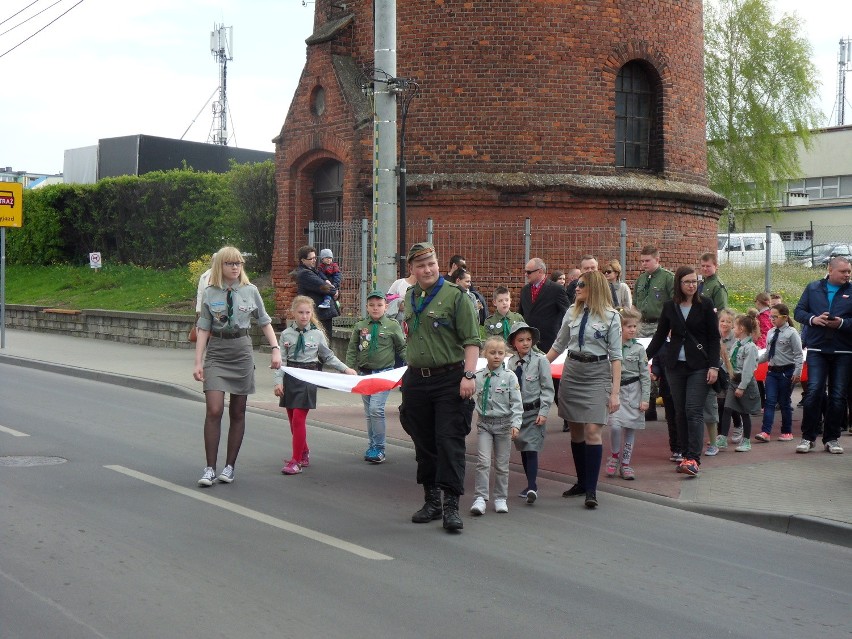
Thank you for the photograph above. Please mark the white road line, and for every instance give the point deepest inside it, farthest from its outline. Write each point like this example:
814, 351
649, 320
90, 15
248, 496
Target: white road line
313, 535
12, 432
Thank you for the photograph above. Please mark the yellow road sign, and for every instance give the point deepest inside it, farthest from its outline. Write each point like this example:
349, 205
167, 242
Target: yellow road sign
11, 204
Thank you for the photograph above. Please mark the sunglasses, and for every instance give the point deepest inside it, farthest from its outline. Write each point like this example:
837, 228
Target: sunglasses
532, 271
581, 284
608, 271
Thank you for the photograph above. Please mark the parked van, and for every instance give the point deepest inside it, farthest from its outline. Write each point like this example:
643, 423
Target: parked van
749, 249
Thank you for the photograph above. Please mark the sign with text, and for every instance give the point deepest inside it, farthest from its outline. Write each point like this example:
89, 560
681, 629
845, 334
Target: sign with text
95, 260
11, 204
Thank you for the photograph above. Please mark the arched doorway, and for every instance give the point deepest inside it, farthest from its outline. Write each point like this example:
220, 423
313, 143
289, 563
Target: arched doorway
328, 207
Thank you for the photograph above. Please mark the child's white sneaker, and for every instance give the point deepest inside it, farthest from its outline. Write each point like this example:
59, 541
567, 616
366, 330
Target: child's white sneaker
500, 506
478, 507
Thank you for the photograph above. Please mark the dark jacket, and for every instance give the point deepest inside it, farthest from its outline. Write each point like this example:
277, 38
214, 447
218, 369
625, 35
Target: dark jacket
814, 301
547, 312
311, 283
701, 323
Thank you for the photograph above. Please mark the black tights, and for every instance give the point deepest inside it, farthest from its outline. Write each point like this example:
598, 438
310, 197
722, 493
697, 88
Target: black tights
215, 401
725, 423
529, 458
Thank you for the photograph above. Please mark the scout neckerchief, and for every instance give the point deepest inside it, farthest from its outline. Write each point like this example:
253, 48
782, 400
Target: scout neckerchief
506, 329
424, 300
486, 388
737, 350
581, 337
374, 334
772, 343
229, 301
300, 341
519, 373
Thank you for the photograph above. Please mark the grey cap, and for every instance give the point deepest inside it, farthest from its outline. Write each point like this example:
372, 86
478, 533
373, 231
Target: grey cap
326, 253
521, 326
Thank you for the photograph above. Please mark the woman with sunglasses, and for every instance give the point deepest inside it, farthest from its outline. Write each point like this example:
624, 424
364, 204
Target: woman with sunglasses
691, 360
224, 357
612, 272
591, 377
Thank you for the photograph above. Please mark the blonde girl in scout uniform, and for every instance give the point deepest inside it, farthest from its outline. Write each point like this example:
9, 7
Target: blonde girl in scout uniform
591, 376
224, 358
500, 409
374, 345
743, 396
537, 393
500, 323
634, 397
303, 345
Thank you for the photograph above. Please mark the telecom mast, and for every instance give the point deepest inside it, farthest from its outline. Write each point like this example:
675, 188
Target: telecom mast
844, 65
221, 43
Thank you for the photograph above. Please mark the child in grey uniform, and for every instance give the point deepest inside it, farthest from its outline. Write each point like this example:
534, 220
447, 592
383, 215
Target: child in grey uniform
634, 396
499, 408
537, 393
743, 396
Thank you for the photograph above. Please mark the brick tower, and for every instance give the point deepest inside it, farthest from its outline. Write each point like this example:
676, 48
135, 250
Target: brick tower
577, 115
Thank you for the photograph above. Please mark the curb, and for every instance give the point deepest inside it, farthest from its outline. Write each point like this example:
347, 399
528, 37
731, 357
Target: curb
795, 524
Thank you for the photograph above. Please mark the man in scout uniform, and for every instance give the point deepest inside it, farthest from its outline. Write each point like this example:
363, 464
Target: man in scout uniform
654, 287
375, 344
442, 334
711, 286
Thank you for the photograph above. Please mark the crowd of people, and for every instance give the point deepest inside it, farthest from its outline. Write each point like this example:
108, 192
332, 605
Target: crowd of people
704, 359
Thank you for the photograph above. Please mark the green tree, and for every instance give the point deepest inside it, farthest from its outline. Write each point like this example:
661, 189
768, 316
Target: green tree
761, 88
253, 189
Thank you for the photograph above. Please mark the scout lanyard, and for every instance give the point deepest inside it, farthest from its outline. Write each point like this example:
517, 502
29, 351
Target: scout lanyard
424, 300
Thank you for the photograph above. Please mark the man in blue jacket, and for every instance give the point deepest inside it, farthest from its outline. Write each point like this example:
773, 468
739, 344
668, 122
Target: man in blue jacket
826, 309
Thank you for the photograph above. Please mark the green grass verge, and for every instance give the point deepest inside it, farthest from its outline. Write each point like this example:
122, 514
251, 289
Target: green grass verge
744, 282
116, 287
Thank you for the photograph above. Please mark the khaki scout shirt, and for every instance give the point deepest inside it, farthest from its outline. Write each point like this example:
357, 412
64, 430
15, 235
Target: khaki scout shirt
391, 342
446, 326
652, 291
246, 303
716, 291
504, 396
494, 323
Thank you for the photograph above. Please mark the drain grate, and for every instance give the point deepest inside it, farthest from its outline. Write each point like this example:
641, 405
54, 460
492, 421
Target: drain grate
30, 460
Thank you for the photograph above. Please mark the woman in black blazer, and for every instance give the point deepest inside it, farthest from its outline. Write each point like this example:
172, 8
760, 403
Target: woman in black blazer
687, 360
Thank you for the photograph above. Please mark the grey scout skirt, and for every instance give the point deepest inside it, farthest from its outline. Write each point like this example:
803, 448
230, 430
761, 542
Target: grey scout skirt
584, 391
229, 366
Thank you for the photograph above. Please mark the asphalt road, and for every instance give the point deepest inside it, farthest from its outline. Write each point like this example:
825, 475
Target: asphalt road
118, 542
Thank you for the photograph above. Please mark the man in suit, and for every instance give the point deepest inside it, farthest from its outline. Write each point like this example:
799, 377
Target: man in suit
543, 303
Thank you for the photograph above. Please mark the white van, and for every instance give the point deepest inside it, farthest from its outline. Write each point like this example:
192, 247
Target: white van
749, 249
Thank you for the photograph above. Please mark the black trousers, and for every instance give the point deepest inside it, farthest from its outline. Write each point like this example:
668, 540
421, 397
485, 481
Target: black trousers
437, 419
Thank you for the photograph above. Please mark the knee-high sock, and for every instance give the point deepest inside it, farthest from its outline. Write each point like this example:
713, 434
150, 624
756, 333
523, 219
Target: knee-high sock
530, 460
578, 452
594, 455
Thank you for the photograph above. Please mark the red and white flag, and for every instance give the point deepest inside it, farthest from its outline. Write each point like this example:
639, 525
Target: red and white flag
363, 384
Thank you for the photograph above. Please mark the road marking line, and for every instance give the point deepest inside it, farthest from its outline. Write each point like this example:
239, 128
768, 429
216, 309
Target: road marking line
313, 535
12, 432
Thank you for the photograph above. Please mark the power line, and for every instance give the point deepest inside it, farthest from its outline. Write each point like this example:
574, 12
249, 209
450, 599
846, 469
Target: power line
21, 11
30, 18
40, 30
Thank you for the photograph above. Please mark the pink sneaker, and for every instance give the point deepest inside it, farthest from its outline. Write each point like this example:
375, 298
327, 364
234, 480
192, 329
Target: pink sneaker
762, 437
611, 467
292, 467
785, 437
306, 459
627, 472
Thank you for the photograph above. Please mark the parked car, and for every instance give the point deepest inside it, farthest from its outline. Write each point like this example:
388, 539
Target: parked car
749, 249
821, 253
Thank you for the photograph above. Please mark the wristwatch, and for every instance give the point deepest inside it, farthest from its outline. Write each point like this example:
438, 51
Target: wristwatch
469, 375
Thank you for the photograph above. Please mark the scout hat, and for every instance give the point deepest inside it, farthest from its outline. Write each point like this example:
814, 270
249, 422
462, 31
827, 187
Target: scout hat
421, 249
517, 327
378, 294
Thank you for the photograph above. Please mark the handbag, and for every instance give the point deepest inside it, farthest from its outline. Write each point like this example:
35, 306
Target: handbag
723, 378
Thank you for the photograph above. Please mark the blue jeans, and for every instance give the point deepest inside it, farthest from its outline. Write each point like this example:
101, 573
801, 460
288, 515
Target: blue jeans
779, 388
374, 411
689, 392
830, 369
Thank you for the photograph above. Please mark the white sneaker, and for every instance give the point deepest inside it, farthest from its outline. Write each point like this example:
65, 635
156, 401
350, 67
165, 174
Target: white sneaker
227, 475
324, 305
804, 446
208, 477
736, 435
500, 506
833, 447
478, 507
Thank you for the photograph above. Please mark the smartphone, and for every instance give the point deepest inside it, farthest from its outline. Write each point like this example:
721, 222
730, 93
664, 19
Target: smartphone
831, 317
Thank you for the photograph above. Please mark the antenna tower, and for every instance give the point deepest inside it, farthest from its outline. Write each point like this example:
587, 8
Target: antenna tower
844, 65
221, 44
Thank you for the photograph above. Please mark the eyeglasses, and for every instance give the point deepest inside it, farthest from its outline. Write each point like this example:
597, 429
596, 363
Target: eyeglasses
532, 271
233, 264
581, 284
608, 271
689, 282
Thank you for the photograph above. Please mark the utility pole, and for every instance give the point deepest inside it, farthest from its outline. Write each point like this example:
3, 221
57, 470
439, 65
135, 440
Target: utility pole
221, 46
384, 155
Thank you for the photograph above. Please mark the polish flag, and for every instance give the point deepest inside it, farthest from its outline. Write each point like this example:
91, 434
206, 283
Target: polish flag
362, 384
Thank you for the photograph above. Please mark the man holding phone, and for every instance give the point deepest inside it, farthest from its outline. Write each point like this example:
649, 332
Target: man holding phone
826, 309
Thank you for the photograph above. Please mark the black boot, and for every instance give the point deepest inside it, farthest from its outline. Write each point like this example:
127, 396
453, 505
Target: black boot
452, 520
432, 508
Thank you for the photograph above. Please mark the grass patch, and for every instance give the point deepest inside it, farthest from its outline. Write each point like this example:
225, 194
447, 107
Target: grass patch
744, 282
116, 287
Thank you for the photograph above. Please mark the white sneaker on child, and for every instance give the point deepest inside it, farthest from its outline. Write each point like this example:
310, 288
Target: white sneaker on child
500, 506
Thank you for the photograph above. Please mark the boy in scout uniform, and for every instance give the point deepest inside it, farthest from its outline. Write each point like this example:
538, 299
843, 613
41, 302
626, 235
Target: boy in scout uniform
500, 323
654, 287
373, 346
442, 336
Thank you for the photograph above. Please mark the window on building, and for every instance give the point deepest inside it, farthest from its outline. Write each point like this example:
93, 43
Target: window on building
845, 186
636, 143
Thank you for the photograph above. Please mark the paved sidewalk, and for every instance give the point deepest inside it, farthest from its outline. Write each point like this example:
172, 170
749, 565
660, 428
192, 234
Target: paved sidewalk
771, 486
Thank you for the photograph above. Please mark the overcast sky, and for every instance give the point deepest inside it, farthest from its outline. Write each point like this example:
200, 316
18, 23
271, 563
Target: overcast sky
120, 67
